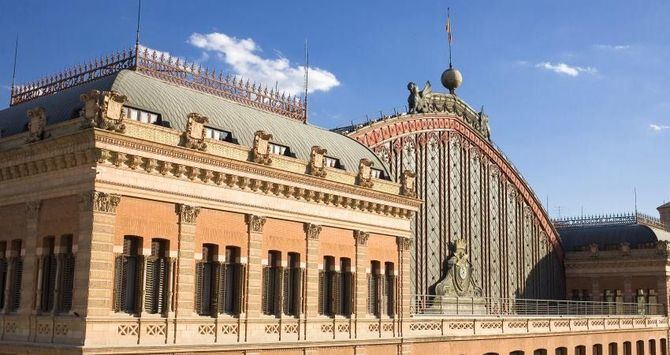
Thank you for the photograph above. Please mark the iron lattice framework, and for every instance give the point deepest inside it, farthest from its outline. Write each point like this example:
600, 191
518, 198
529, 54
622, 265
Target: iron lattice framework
609, 219
167, 68
469, 191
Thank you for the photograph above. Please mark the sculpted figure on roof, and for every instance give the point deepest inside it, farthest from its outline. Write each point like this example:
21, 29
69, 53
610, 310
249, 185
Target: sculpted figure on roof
418, 100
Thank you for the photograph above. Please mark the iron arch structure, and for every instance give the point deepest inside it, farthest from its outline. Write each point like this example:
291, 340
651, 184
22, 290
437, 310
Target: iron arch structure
471, 191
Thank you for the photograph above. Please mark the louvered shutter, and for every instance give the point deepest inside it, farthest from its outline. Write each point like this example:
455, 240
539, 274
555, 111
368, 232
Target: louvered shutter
150, 285
118, 283
371, 289
381, 294
336, 290
240, 295
136, 290
49, 265
267, 284
163, 270
3, 278
322, 292
351, 297
278, 293
223, 289
199, 285
297, 291
66, 282
390, 295
287, 291
15, 296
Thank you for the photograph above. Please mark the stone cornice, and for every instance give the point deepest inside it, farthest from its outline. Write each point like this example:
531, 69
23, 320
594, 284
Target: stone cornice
443, 123
266, 183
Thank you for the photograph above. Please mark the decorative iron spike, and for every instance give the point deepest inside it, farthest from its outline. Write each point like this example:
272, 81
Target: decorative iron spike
227, 77
220, 77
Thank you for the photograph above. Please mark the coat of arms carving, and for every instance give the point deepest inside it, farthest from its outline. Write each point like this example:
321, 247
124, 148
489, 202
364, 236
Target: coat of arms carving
459, 280
104, 109
194, 136
261, 150
317, 161
37, 122
365, 173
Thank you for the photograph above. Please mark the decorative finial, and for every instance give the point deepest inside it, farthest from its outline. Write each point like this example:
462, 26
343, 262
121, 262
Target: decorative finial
451, 78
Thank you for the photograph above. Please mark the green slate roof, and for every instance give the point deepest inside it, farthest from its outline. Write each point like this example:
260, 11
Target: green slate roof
175, 102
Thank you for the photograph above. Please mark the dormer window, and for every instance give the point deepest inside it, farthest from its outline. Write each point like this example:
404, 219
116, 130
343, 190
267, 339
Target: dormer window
140, 115
279, 149
377, 173
217, 134
332, 162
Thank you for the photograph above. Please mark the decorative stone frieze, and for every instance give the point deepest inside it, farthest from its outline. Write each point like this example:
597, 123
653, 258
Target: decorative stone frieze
364, 177
194, 136
104, 109
317, 162
100, 201
403, 243
408, 182
313, 231
264, 185
187, 214
361, 237
33, 209
260, 152
37, 122
255, 223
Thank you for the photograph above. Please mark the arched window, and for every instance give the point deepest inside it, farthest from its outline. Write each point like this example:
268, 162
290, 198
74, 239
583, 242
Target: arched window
156, 287
389, 288
66, 281
375, 288
516, 352
627, 348
47, 274
293, 285
597, 349
561, 351
613, 349
540, 352
128, 276
272, 274
639, 346
580, 350
664, 347
652, 346
491, 354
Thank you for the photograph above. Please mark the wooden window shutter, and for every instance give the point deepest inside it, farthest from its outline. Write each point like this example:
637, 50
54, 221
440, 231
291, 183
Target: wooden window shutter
150, 288
390, 295
66, 282
337, 293
3, 280
163, 270
137, 290
240, 296
15, 287
297, 290
222, 287
351, 296
322, 292
381, 294
48, 285
118, 283
287, 291
199, 286
267, 292
278, 293
371, 289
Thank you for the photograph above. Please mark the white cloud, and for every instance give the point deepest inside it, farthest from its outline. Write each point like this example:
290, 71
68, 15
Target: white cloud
565, 69
612, 47
242, 55
658, 127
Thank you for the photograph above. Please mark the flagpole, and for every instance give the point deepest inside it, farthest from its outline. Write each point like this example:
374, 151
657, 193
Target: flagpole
449, 34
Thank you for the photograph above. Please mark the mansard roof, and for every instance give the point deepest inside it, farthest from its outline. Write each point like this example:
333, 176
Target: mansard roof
174, 101
634, 229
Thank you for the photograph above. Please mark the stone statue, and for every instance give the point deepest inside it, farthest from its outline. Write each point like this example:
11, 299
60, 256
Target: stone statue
459, 281
484, 127
418, 100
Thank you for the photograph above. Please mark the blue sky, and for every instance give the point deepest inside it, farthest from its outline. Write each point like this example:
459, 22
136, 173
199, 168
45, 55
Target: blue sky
577, 91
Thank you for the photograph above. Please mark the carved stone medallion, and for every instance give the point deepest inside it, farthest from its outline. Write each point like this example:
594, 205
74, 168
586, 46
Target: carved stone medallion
37, 122
407, 181
104, 109
364, 177
317, 162
459, 281
261, 149
194, 136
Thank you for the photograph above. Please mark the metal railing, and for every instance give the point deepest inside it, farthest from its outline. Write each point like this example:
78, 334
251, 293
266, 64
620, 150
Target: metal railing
431, 305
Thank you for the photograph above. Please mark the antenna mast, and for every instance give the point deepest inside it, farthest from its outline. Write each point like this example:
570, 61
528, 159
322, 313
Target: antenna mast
306, 78
449, 33
16, 52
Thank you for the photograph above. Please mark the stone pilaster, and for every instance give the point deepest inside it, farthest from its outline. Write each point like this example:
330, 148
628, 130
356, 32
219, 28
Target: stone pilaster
185, 284
312, 232
94, 260
404, 293
29, 246
628, 292
254, 279
362, 263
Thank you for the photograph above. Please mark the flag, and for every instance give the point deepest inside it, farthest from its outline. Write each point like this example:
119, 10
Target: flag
448, 27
